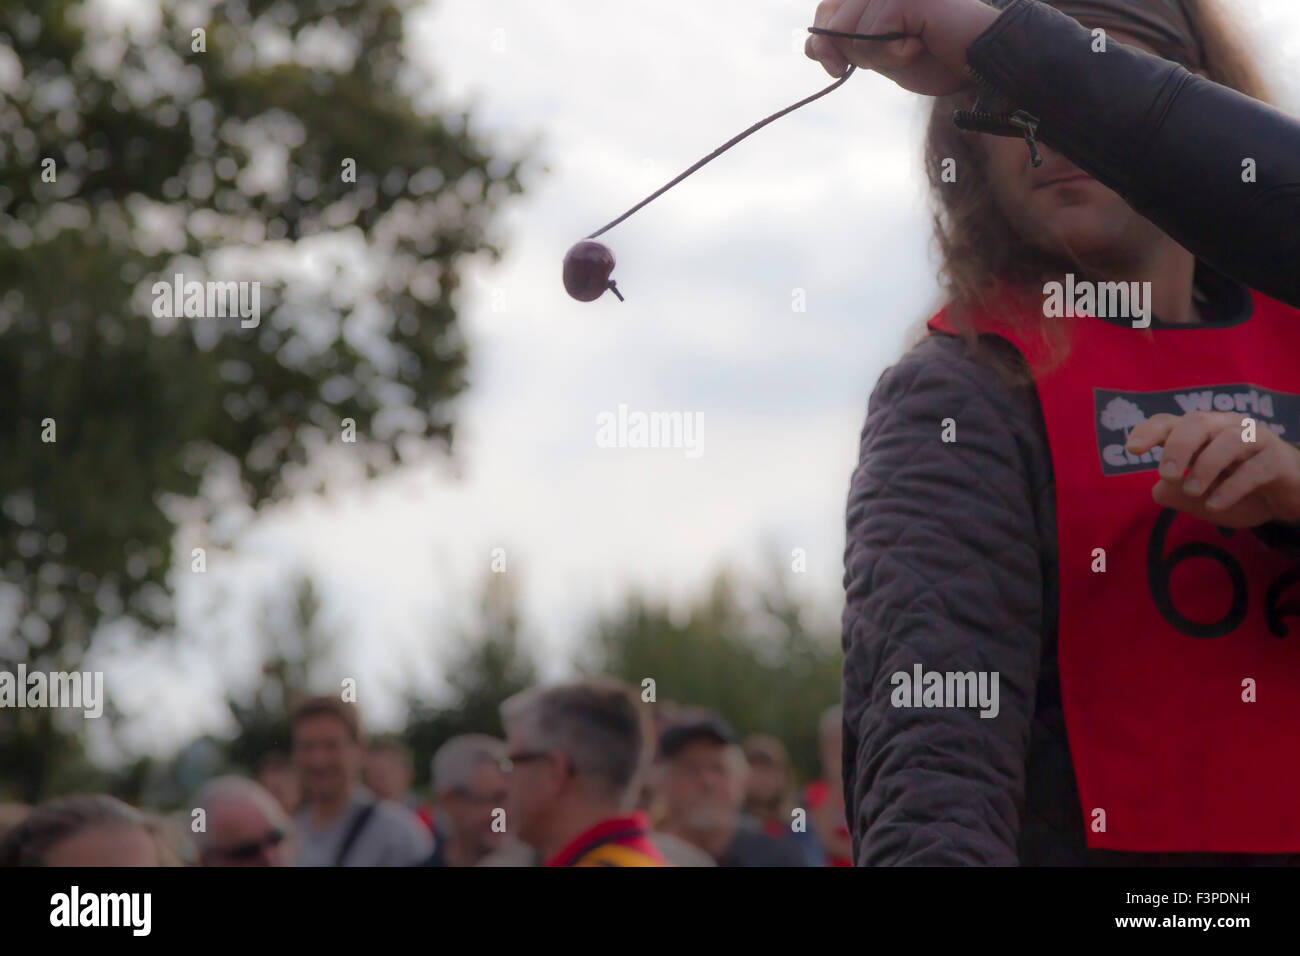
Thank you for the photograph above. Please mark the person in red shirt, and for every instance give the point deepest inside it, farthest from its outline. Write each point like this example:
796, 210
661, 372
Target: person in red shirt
825, 797
576, 753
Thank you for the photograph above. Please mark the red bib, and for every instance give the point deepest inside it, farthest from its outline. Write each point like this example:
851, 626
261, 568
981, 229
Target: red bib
1180, 662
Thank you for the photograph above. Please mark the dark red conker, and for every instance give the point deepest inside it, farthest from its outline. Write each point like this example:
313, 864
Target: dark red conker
586, 271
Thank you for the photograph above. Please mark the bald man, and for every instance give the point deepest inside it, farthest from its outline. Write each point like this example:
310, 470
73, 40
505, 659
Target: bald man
244, 825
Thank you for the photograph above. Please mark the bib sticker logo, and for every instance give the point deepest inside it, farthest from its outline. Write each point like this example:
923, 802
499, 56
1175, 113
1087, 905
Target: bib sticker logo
1119, 412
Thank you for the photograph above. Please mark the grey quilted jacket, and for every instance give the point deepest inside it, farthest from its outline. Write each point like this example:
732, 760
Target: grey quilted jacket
950, 557
951, 562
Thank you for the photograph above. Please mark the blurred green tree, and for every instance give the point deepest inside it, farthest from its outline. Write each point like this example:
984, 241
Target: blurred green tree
218, 142
485, 667
758, 663
294, 652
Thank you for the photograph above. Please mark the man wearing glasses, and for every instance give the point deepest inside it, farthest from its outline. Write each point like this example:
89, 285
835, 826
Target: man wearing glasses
243, 825
469, 791
576, 755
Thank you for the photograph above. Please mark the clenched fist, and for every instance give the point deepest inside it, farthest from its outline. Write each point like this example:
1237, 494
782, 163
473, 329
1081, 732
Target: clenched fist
931, 61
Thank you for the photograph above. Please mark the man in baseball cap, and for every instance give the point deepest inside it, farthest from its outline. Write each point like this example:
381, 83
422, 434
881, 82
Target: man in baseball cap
702, 778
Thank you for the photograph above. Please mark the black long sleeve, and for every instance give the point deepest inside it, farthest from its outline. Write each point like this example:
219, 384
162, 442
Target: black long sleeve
1173, 144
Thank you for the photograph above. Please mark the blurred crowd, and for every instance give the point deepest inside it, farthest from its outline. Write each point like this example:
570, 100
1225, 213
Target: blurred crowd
587, 775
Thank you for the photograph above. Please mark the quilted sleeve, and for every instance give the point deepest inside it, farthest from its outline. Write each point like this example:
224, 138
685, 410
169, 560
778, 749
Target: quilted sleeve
943, 569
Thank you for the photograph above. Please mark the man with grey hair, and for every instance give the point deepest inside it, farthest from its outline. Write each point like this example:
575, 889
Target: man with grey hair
469, 792
576, 754
243, 825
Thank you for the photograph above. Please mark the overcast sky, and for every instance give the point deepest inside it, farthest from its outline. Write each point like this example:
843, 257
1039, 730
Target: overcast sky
618, 99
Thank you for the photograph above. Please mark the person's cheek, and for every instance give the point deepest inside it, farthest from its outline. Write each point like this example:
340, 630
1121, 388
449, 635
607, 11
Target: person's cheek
514, 800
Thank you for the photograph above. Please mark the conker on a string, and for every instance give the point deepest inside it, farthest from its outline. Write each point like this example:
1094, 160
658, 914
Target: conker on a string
587, 266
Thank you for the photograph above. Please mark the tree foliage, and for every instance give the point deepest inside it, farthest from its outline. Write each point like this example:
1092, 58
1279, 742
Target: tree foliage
224, 164
294, 653
755, 661
487, 665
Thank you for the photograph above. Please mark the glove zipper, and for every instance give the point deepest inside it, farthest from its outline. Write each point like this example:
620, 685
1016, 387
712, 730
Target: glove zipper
981, 119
